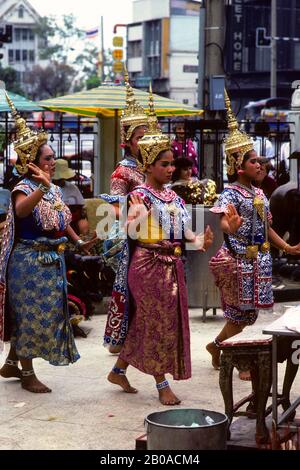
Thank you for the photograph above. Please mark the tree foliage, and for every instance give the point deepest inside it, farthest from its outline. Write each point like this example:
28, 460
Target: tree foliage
9, 76
58, 39
53, 80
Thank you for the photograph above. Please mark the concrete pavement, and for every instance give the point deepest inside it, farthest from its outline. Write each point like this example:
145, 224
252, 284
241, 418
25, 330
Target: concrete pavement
84, 411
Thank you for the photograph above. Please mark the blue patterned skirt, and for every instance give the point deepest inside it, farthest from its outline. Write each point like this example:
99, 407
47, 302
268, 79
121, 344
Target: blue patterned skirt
37, 294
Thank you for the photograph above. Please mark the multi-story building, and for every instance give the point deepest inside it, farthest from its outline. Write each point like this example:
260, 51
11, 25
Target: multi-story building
23, 52
247, 53
162, 45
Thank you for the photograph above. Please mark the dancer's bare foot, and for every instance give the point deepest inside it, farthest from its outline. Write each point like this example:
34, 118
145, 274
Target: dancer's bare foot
114, 349
244, 375
121, 379
215, 355
167, 397
32, 384
8, 371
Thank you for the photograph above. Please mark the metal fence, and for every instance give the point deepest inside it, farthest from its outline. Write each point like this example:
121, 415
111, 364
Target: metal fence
208, 139
76, 140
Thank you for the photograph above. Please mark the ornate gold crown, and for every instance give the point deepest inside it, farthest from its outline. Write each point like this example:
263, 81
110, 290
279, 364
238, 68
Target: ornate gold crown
133, 115
154, 141
27, 142
236, 142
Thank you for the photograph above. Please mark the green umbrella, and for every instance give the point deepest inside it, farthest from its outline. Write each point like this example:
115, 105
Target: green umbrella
106, 100
21, 103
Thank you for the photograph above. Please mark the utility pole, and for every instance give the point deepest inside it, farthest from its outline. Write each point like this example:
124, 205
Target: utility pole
102, 51
273, 89
214, 43
201, 55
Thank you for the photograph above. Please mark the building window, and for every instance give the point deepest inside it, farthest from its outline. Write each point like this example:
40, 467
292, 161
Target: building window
24, 56
135, 49
21, 11
190, 69
153, 38
153, 67
297, 56
262, 60
31, 35
10, 56
17, 34
31, 56
18, 55
24, 34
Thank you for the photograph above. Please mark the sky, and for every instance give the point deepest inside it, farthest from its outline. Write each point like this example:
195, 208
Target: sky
89, 12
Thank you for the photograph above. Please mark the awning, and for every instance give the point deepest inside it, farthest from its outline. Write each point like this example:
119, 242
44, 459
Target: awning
21, 103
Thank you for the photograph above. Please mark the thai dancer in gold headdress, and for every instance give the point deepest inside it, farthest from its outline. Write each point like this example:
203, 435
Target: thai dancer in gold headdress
243, 265
33, 296
155, 329
126, 176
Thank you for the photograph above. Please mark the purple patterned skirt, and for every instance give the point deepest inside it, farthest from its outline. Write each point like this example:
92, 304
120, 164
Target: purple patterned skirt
158, 339
245, 285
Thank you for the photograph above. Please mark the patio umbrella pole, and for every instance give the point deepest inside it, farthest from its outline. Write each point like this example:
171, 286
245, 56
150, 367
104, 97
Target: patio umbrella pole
97, 165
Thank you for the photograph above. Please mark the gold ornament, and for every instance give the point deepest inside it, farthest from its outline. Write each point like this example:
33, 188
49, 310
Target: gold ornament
177, 251
154, 141
258, 203
133, 115
27, 142
265, 247
58, 206
251, 251
210, 195
236, 142
61, 248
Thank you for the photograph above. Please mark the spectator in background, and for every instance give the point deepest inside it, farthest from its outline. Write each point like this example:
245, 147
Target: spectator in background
4, 204
72, 197
264, 180
283, 175
262, 144
10, 179
183, 146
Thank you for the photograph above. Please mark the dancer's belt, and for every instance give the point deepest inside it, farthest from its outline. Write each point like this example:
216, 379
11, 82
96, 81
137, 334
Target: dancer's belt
164, 250
60, 248
253, 250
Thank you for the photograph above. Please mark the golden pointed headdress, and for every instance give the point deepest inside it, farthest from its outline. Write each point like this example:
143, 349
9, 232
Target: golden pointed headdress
154, 141
27, 141
236, 142
133, 115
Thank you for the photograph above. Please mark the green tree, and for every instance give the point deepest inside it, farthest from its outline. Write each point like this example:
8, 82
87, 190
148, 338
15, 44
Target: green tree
54, 80
58, 39
9, 76
92, 82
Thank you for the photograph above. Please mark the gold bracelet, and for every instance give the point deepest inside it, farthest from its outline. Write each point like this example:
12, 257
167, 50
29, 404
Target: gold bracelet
284, 249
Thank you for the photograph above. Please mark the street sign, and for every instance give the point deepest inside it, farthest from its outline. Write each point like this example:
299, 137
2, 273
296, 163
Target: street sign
118, 67
117, 41
117, 54
262, 40
216, 92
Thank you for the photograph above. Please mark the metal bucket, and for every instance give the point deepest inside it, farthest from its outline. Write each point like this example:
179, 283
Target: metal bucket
186, 429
